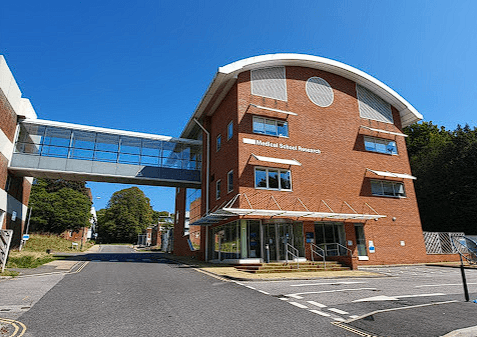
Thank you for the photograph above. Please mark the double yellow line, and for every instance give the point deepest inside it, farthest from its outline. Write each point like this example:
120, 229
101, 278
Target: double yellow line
18, 327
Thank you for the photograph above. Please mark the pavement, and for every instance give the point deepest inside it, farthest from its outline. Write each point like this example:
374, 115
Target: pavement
434, 314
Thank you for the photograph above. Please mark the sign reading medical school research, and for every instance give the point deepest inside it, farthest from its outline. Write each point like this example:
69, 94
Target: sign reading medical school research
280, 146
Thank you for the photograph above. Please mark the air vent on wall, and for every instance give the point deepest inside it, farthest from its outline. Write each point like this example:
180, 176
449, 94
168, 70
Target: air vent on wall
372, 106
319, 91
269, 82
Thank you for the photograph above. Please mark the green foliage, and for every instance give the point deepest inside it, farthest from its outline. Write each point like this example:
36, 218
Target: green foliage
40, 243
28, 261
128, 214
445, 163
57, 207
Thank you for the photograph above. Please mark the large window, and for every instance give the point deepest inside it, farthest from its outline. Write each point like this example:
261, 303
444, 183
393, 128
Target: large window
387, 188
272, 179
271, 127
380, 145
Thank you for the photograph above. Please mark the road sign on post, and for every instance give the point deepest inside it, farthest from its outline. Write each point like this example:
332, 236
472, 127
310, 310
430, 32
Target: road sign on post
26, 237
5, 239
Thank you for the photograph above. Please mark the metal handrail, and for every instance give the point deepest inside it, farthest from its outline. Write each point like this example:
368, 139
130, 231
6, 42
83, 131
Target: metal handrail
349, 252
464, 250
314, 251
294, 252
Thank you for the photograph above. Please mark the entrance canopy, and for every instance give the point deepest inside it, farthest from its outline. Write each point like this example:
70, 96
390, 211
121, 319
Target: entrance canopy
228, 212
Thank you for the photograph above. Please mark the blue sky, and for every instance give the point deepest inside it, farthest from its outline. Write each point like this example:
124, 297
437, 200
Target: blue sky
144, 65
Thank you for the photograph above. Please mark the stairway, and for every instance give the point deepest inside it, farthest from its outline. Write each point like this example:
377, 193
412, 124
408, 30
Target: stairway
290, 267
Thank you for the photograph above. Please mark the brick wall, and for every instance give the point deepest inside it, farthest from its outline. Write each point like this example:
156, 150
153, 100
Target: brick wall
336, 175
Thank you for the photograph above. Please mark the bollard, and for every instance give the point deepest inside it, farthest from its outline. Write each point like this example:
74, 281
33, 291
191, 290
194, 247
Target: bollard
267, 251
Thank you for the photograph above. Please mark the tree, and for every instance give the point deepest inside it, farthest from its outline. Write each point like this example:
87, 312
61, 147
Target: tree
127, 214
445, 163
57, 207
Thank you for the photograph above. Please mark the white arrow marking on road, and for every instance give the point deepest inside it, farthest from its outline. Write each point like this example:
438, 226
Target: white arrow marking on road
299, 297
322, 284
395, 298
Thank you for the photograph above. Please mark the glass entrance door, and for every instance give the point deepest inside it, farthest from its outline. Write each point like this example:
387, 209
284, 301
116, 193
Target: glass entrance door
277, 235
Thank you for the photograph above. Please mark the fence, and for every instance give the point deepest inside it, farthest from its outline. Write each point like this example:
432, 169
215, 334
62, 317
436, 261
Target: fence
441, 242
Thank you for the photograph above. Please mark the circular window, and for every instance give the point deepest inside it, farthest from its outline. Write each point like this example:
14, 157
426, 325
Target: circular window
319, 91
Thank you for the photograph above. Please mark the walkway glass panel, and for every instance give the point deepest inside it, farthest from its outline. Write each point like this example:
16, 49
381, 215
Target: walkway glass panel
154, 157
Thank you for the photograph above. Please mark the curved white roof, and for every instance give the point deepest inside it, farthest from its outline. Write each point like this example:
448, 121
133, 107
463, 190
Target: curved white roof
226, 76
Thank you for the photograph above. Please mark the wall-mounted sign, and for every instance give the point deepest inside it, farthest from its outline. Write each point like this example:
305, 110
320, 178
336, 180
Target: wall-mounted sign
372, 249
14, 216
280, 146
310, 237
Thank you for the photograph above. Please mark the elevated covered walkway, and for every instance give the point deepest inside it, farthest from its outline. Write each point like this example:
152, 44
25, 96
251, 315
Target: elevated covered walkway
76, 152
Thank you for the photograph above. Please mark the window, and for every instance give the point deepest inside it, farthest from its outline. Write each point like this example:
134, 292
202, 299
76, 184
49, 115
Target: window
230, 181
387, 188
217, 189
270, 127
272, 179
219, 143
230, 130
380, 145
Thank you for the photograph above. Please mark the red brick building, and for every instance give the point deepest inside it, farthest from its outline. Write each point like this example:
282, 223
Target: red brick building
302, 153
14, 190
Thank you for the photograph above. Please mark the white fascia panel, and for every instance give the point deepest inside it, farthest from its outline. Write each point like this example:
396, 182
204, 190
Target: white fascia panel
6, 146
275, 110
277, 160
384, 131
111, 131
392, 174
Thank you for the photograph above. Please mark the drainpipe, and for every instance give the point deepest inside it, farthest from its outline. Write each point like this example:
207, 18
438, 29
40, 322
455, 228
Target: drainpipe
207, 186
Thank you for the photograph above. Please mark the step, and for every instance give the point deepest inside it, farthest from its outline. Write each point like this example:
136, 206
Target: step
282, 267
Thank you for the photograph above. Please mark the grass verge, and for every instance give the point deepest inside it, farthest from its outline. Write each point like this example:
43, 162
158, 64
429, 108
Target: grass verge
28, 259
40, 243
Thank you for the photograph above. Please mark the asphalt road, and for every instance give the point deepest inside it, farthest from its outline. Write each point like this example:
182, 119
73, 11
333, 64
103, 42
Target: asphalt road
122, 293
406, 301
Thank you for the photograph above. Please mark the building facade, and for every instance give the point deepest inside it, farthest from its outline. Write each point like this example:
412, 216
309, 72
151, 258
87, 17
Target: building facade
14, 190
302, 156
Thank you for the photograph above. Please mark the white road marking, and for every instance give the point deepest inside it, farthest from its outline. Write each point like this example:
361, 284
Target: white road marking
320, 313
394, 298
338, 311
339, 319
376, 298
353, 316
317, 304
263, 292
323, 284
250, 287
441, 285
299, 305
283, 298
299, 297
421, 295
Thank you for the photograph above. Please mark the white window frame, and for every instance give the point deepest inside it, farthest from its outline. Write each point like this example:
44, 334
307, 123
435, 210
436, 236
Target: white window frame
230, 130
218, 142
376, 140
265, 122
267, 169
389, 182
218, 184
230, 181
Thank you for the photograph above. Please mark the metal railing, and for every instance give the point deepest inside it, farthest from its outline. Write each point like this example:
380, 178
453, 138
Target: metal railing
335, 249
289, 249
314, 250
466, 247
